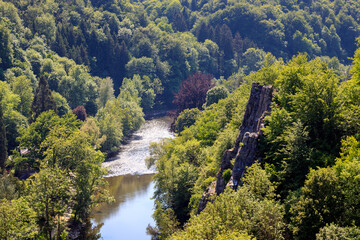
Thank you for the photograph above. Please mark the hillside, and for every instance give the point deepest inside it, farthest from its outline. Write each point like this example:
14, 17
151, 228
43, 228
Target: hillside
78, 76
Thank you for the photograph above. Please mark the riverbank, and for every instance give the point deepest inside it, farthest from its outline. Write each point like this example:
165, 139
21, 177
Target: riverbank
156, 114
131, 157
130, 182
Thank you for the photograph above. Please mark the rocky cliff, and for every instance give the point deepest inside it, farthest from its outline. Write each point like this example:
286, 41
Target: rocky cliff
246, 144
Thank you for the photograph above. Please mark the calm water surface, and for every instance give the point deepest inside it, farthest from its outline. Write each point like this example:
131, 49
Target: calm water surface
130, 182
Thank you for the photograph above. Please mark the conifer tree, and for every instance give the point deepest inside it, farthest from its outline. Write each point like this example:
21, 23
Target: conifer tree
123, 57
204, 32
193, 5
43, 99
60, 46
226, 41
3, 142
6, 52
179, 23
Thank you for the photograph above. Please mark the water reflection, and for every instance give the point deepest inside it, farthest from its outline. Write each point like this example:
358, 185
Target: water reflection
89, 231
123, 189
130, 214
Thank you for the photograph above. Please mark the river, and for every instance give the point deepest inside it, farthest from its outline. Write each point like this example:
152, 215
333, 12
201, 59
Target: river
130, 182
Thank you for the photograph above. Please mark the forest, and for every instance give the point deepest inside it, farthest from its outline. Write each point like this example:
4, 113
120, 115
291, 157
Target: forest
78, 77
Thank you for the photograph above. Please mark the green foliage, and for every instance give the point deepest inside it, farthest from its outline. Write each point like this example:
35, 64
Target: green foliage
33, 137
174, 184
142, 66
274, 139
3, 141
304, 129
333, 231
142, 90
215, 94
148, 43
187, 165
88, 182
110, 124
296, 158
349, 99
106, 92
65, 159
256, 180
72, 151
45, 25
78, 88
13, 120
320, 203
22, 86
186, 118
233, 235
119, 118
43, 99
252, 210
10, 187
227, 175
165, 221
253, 59
17, 220
329, 195
61, 104
46, 186
6, 51
92, 129
349, 151
207, 128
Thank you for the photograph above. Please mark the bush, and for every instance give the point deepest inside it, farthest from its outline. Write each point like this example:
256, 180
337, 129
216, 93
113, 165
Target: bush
227, 175
215, 94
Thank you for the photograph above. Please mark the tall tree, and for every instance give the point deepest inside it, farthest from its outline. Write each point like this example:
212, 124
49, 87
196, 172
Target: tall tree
49, 194
226, 41
6, 52
204, 32
43, 99
3, 142
123, 57
192, 93
179, 23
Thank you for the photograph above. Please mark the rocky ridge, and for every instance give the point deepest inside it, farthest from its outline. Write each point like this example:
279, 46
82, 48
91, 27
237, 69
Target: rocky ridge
245, 151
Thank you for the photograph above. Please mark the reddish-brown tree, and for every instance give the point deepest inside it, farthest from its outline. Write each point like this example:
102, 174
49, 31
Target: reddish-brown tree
192, 92
80, 113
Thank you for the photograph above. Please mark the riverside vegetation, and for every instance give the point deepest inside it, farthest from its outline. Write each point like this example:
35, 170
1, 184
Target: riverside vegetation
77, 77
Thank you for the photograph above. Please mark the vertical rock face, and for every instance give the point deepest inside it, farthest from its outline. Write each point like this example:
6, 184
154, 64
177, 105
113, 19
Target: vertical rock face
246, 144
257, 108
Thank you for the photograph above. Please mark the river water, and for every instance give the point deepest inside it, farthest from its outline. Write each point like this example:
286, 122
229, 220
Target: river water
130, 182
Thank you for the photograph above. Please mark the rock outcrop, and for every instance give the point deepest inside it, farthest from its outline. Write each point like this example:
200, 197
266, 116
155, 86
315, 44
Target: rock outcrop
207, 196
246, 144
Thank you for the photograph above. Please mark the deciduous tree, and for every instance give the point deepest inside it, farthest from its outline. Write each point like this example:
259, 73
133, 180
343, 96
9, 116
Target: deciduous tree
3, 141
192, 92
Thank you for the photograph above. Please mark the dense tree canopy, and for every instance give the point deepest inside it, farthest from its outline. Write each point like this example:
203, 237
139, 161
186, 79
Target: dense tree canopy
307, 151
113, 61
